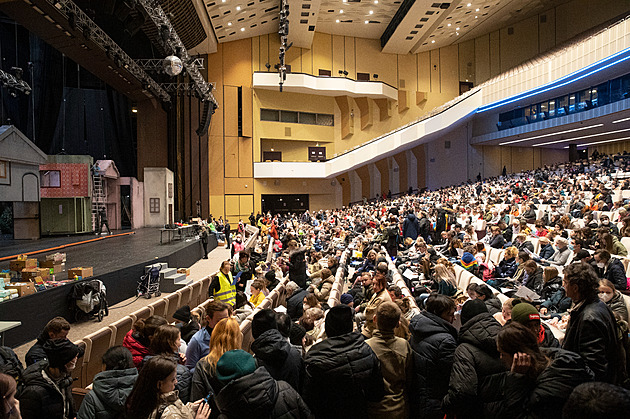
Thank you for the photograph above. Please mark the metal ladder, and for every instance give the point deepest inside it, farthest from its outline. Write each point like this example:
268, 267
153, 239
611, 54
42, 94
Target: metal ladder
99, 199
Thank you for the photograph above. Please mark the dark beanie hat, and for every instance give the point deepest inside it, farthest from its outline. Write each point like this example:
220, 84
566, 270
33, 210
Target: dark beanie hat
523, 313
235, 364
263, 320
270, 276
339, 321
183, 314
296, 334
346, 298
59, 352
471, 309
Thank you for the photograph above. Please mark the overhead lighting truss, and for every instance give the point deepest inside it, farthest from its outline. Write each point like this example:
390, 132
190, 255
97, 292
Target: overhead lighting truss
91, 31
283, 31
172, 44
14, 84
156, 64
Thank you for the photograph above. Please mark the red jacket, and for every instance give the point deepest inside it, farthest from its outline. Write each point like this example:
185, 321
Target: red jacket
137, 349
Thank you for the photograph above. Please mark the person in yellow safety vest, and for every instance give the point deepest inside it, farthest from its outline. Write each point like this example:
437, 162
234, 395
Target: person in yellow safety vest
223, 287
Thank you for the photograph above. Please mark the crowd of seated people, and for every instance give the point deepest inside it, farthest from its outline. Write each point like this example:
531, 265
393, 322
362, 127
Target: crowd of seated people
497, 299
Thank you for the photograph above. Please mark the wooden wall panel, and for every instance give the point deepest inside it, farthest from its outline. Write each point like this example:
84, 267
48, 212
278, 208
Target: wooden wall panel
521, 45
230, 110
307, 61
246, 206
382, 167
435, 71
245, 157
294, 59
238, 186
237, 64
256, 54
338, 55
449, 70
547, 30
403, 182
232, 209
408, 71
248, 111
231, 156
350, 56
152, 136
482, 59
364, 175
322, 52
263, 47
371, 60
495, 54
424, 72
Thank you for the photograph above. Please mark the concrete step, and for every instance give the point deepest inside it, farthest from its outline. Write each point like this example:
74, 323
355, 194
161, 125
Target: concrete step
174, 282
166, 272
163, 265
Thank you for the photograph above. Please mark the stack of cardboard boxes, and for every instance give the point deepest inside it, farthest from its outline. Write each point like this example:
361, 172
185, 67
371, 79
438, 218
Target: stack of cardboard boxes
27, 275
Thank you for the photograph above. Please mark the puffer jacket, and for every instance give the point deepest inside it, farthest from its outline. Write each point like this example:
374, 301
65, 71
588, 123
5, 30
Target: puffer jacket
138, 349
477, 377
618, 306
545, 396
258, 395
616, 273
108, 396
170, 406
342, 375
294, 304
184, 379
36, 352
276, 354
558, 302
297, 267
411, 227
591, 332
41, 398
535, 281
546, 251
204, 382
493, 305
433, 341
323, 291
506, 268
550, 287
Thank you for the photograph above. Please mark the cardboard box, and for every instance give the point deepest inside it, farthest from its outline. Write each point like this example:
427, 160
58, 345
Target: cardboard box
18, 265
6, 276
29, 274
55, 266
82, 271
184, 271
57, 257
23, 288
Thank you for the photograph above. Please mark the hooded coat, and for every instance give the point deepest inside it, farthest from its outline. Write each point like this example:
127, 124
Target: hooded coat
282, 360
433, 341
109, 393
258, 395
342, 375
294, 303
36, 352
411, 227
138, 350
544, 396
41, 398
478, 375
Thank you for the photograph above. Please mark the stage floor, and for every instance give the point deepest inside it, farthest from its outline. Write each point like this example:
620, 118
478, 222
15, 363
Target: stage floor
108, 254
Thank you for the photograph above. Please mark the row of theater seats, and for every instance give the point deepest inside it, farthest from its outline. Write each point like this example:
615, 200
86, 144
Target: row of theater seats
334, 298
96, 344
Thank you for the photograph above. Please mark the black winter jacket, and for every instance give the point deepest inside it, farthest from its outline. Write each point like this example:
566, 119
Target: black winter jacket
282, 360
411, 227
297, 267
592, 333
535, 281
36, 352
258, 395
433, 341
184, 379
493, 305
546, 251
294, 304
616, 273
342, 375
477, 377
109, 393
544, 397
506, 268
550, 287
41, 398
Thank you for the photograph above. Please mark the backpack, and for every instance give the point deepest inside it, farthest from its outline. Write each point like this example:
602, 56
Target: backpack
11, 365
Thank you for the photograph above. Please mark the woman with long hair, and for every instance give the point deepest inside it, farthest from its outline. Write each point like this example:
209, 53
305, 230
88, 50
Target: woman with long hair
226, 336
138, 339
540, 379
154, 396
10, 405
166, 342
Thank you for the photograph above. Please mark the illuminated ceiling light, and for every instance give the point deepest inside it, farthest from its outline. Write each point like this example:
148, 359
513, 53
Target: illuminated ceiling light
476, 17
582, 137
552, 133
340, 10
337, 20
238, 8
433, 41
242, 29
456, 29
603, 142
371, 12
229, 23
477, 9
134, 110
469, 4
456, 33
621, 120
222, 1
448, 24
375, 1
366, 22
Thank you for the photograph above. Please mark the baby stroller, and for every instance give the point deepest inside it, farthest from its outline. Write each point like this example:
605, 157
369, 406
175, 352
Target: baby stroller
87, 299
150, 283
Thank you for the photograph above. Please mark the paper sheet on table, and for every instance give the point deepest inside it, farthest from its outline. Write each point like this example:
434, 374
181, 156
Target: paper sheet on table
460, 252
504, 290
280, 309
409, 274
526, 293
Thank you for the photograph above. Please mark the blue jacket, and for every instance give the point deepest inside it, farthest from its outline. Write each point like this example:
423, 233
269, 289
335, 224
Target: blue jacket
411, 227
198, 347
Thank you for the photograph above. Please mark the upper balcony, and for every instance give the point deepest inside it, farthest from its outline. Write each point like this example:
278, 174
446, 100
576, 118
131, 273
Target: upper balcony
324, 85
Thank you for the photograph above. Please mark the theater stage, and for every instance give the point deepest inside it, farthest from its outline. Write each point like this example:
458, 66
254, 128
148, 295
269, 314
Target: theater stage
118, 261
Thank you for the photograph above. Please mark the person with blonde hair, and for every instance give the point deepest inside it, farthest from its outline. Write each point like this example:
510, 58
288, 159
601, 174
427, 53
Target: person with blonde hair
226, 336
